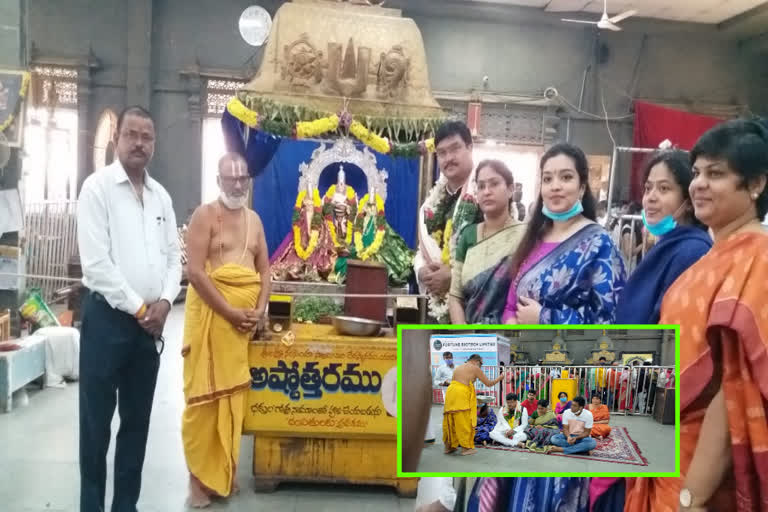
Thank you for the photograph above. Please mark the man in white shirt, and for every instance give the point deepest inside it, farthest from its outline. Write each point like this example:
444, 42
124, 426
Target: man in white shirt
577, 427
131, 263
512, 421
443, 377
444, 374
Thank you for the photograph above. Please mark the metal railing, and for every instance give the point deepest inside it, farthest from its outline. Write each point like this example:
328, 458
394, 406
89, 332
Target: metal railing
624, 389
50, 230
632, 252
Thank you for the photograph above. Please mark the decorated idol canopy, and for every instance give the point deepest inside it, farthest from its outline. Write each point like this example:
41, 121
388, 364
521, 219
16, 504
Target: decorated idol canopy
333, 128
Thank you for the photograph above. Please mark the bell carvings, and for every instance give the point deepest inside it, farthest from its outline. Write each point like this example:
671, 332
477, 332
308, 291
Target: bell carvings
392, 77
326, 55
347, 71
347, 77
302, 64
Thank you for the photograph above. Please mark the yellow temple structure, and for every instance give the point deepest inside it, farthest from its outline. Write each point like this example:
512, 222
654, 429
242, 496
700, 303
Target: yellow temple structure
559, 353
603, 348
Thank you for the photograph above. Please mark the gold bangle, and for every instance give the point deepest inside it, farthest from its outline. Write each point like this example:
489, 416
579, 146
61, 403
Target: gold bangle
142, 310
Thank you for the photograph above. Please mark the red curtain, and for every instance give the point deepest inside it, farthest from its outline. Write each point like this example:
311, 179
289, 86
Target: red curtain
653, 125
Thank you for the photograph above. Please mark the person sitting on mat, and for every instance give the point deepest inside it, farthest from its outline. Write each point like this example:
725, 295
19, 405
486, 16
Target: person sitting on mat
513, 420
601, 416
531, 404
563, 405
486, 420
542, 427
577, 427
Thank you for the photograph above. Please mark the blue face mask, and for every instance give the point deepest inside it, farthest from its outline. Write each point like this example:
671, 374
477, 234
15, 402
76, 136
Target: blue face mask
449, 362
576, 209
563, 399
664, 226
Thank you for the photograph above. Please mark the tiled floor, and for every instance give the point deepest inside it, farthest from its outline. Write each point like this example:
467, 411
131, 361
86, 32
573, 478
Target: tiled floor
656, 443
39, 457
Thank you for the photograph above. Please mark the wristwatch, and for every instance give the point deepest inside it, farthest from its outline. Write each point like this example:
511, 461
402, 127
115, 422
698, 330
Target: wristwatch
686, 498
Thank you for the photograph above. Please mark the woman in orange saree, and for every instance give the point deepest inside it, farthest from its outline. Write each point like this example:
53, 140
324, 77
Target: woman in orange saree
719, 304
601, 416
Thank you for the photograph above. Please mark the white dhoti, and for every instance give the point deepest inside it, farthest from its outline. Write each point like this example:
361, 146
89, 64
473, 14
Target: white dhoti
435, 490
519, 437
498, 433
500, 438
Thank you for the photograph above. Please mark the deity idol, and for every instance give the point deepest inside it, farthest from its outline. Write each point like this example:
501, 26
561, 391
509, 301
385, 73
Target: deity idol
307, 253
375, 240
339, 210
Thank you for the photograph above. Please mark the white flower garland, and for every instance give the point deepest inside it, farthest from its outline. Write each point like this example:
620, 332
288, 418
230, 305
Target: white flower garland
438, 305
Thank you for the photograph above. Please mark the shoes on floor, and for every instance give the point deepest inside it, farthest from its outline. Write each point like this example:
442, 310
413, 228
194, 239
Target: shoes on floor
429, 441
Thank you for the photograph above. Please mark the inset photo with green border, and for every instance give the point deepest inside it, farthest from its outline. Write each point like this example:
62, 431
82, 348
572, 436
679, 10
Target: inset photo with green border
538, 400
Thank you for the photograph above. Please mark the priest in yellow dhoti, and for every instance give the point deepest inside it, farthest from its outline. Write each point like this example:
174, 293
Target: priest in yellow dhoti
460, 413
226, 303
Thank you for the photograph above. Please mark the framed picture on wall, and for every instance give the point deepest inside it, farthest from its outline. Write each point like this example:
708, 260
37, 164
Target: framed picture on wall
628, 358
14, 85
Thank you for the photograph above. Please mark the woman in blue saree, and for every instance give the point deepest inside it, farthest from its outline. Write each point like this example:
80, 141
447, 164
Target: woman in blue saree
683, 240
486, 420
566, 270
543, 494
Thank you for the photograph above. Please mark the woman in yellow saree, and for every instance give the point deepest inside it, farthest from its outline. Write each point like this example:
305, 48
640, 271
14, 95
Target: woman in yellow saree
719, 304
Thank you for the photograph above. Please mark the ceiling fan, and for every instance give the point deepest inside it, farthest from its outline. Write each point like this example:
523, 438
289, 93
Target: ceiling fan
605, 22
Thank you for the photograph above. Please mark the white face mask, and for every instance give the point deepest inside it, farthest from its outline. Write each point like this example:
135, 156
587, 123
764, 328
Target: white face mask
233, 202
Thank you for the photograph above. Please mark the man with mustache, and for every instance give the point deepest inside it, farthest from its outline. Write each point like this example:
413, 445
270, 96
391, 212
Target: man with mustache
228, 269
449, 208
131, 263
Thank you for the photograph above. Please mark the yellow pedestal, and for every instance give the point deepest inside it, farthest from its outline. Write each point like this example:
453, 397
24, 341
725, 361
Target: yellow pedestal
317, 410
558, 385
337, 461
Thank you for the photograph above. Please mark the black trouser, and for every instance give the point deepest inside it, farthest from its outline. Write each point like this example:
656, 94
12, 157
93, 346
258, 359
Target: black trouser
118, 363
